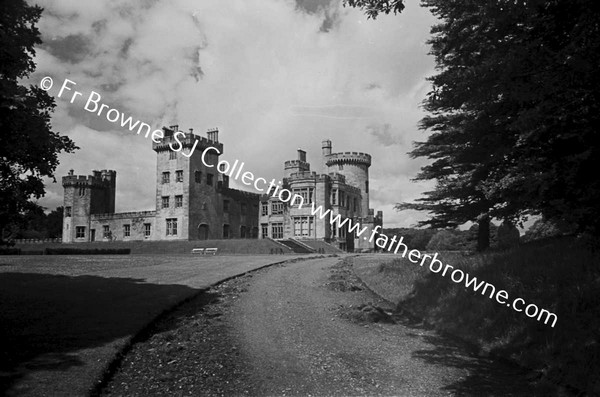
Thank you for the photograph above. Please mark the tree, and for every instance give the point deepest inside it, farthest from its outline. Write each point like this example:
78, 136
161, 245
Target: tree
375, 7
54, 223
28, 147
513, 113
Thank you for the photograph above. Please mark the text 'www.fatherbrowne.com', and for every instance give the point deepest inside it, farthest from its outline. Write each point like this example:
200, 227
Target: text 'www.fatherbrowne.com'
93, 104
458, 276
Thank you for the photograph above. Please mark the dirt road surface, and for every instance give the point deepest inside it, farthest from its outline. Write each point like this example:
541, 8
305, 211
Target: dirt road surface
305, 328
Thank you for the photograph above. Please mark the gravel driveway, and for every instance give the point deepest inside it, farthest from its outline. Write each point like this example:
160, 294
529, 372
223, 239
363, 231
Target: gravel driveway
305, 328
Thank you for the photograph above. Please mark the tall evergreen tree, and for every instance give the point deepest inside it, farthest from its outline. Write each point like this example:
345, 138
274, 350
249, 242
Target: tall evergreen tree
513, 112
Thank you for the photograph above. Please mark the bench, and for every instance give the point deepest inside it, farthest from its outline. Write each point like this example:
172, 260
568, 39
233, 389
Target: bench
197, 250
210, 251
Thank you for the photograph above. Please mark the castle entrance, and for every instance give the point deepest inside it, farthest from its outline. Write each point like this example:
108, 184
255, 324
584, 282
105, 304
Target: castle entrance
203, 232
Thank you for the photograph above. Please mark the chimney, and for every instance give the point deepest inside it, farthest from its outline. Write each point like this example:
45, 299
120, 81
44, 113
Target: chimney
213, 134
301, 155
326, 145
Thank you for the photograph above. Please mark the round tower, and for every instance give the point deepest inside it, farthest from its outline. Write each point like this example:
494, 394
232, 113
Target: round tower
355, 167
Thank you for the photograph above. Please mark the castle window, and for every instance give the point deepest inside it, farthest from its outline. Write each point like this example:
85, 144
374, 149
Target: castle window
166, 177
81, 191
354, 204
244, 208
209, 179
264, 209
198, 176
277, 208
306, 194
222, 168
340, 166
303, 226
106, 231
225, 231
67, 211
225, 205
172, 227
334, 197
366, 186
79, 231
126, 230
178, 201
277, 230
147, 229
264, 230
165, 201
172, 155
179, 176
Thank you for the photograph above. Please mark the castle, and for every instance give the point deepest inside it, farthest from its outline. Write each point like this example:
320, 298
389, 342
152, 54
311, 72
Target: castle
342, 187
194, 200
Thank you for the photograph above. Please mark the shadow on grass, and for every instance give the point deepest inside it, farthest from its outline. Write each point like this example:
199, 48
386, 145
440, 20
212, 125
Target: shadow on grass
484, 376
45, 319
559, 275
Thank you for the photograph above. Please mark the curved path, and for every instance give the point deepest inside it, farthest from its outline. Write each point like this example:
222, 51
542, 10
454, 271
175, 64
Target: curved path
286, 331
64, 318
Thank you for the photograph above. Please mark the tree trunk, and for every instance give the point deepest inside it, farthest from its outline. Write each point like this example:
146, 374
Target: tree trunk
483, 232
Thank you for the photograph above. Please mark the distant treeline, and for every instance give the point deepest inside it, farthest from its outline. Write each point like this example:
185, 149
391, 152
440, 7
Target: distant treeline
36, 224
466, 240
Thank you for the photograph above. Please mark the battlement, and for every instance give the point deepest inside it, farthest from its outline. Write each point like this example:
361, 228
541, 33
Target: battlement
99, 179
335, 177
298, 176
348, 158
296, 164
188, 141
351, 189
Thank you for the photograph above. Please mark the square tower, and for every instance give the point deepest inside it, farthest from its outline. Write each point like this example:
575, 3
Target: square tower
187, 181
85, 196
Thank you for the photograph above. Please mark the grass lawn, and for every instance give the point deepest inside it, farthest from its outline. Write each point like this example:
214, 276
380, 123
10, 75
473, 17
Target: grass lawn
560, 275
63, 318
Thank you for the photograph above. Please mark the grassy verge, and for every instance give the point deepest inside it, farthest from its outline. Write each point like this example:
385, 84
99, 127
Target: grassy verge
562, 276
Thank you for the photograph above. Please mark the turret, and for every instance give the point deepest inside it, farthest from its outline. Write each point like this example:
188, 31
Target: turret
355, 167
296, 166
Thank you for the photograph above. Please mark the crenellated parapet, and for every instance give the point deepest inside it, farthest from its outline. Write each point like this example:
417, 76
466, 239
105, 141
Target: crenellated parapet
99, 179
335, 177
188, 140
297, 164
348, 158
351, 189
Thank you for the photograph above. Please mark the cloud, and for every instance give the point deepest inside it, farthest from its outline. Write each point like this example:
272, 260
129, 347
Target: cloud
272, 75
384, 135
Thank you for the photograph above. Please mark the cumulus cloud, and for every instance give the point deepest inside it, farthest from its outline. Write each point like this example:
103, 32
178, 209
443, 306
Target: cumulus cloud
272, 75
383, 134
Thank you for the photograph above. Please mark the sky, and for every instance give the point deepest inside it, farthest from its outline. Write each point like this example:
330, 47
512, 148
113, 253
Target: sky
273, 75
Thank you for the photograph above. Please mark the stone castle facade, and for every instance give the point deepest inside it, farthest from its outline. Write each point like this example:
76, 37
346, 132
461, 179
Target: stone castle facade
342, 187
194, 201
